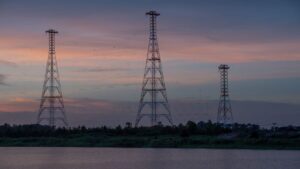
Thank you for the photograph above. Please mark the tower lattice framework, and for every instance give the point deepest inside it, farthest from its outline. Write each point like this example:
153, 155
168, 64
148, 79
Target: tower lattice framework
224, 111
52, 107
153, 101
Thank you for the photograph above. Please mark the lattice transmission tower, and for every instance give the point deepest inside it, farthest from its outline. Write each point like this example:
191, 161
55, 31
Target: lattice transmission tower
153, 102
224, 111
52, 107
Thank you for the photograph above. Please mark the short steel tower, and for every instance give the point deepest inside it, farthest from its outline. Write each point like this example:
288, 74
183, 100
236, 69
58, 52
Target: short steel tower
153, 102
52, 107
224, 111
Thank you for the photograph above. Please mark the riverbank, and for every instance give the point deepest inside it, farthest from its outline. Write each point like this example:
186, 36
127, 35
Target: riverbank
152, 142
191, 135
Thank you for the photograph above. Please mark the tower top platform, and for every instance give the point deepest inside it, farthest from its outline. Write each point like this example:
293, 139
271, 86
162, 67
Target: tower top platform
154, 13
223, 66
51, 31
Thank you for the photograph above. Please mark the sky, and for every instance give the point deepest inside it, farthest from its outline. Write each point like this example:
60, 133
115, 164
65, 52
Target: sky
101, 49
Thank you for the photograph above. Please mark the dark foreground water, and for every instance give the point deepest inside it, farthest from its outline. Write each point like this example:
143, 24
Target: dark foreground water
122, 158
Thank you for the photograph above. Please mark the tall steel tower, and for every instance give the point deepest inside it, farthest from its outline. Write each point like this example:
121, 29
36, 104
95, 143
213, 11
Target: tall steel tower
153, 102
224, 111
52, 107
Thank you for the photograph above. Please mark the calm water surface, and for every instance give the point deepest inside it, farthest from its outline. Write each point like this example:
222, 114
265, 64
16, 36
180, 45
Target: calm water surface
122, 158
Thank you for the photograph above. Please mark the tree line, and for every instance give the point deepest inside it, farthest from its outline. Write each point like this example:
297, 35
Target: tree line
182, 130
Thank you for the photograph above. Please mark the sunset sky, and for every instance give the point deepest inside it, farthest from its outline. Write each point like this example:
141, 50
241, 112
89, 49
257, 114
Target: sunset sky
102, 45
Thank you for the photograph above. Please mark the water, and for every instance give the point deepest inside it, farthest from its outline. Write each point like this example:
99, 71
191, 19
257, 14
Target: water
123, 158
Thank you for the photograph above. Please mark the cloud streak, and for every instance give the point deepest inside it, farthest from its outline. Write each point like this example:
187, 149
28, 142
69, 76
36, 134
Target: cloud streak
8, 63
101, 69
2, 79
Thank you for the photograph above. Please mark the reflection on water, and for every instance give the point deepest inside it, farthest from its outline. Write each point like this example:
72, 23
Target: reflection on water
122, 158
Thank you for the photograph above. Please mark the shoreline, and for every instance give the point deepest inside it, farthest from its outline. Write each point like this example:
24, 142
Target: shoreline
157, 142
191, 135
193, 148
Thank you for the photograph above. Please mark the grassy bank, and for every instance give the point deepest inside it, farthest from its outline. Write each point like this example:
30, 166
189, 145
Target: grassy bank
190, 135
145, 142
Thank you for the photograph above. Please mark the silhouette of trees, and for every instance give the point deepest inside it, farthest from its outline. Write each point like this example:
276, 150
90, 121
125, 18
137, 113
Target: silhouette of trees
190, 134
190, 128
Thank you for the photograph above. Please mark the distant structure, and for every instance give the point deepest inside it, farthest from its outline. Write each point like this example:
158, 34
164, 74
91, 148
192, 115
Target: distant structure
224, 111
52, 107
153, 102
